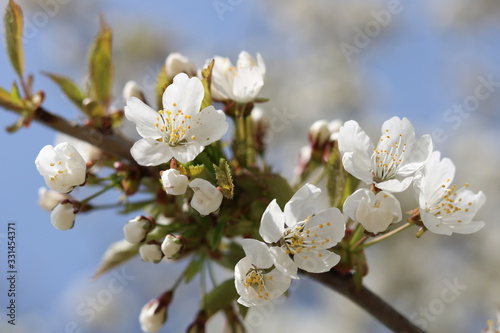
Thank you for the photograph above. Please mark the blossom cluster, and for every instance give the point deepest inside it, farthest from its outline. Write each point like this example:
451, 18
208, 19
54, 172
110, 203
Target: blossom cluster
303, 236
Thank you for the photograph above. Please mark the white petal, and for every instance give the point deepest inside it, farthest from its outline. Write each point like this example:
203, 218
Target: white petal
352, 202
272, 224
283, 262
222, 79
420, 152
261, 257
356, 149
395, 185
208, 126
433, 224
469, 228
302, 204
174, 182
149, 152
396, 129
318, 261
143, 116
206, 198
184, 94
187, 152
328, 225
247, 84
276, 283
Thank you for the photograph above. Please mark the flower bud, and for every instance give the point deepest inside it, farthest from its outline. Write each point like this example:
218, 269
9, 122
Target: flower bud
132, 89
177, 63
207, 198
260, 125
319, 134
154, 314
334, 128
48, 199
150, 253
137, 229
62, 167
63, 215
171, 246
174, 182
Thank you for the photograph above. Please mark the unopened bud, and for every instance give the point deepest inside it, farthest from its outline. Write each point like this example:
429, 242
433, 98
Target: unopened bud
174, 182
132, 89
150, 253
137, 229
177, 63
334, 128
171, 246
207, 198
63, 215
154, 314
319, 134
260, 125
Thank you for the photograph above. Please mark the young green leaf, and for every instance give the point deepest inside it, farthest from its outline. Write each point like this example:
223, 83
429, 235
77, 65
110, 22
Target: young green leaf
116, 254
13, 25
162, 82
101, 65
207, 80
9, 102
224, 178
69, 88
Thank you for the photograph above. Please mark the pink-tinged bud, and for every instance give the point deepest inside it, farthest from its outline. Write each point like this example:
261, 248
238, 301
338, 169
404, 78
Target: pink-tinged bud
174, 182
137, 229
171, 246
319, 134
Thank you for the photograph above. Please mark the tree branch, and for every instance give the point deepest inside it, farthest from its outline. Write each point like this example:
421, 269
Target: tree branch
366, 299
110, 143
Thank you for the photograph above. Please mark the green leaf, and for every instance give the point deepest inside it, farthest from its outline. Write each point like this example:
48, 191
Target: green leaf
193, 171
116, 254
193, 268
336, 178
13, 25
69, 88
261, 100
206, 81
9, 102
162, 82
101, 65
224, 178
220, 297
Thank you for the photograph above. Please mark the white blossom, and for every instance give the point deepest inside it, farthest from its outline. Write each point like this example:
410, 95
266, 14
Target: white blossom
445, 208
177, 63
62, 167
174, 182
375, 212
150, 253
241, 83
171, 246
390, 165
206, 198
153, 315
63, 216
180, 130
136, 230
255, 281
303, 230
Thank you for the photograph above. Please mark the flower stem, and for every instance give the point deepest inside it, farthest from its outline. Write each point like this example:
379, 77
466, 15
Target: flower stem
387, 235
358, 233
105, 189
